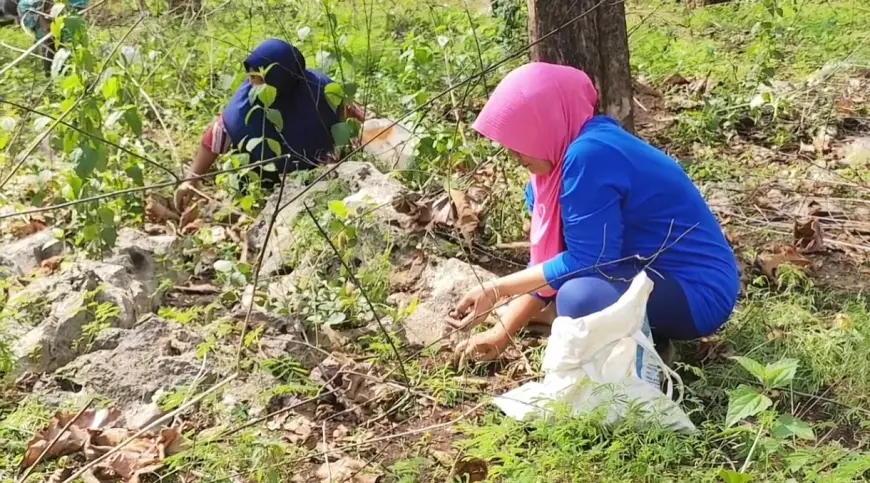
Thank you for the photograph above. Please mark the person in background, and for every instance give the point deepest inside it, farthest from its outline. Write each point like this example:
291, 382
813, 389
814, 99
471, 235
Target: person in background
605, 205
36, 19
306, 114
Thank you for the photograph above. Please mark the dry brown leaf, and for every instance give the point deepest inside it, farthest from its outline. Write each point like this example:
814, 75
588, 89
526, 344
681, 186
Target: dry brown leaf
467, 218
770, 262
347, 470
69, 442
675, 80
157, 209
299, 429
192, 227
96, 432
471, 469
33, 225
442, 210
808, 236
822, 139
402, 280
50, 265
340, 432
189, 215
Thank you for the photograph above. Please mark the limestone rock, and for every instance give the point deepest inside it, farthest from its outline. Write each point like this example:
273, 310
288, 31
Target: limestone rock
62, 304
154, 355
24, 256
441, 285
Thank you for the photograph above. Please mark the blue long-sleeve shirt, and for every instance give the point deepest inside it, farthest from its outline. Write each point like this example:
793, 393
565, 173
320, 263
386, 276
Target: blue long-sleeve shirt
622, 197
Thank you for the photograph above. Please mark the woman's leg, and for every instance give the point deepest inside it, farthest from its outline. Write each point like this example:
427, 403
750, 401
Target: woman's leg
667, 310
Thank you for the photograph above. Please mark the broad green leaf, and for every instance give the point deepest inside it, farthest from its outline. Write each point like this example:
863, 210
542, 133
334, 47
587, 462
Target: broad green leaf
274, 116
267, 95
274, 146
753, 366
269, 168
77, 28
111, 87
335, 94
251, 111
851, 468
109, 235
350, 89
744, 402
71, 83
799, 459
247, 203
342, 133
91, 231
57, 27
134, 171
787, 426
85, 159
131, 116
336, 319
252, 144
780, 373
107, 216
254, 93
730, 476
75, 183
338, 208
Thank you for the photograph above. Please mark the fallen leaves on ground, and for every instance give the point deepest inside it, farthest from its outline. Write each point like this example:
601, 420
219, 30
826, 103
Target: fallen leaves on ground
347, 470
455, 208
29, 227
402, 280
97, 431
770, 262
190, 215
157, 209
50, 265
467, 219
470, 469
808, 237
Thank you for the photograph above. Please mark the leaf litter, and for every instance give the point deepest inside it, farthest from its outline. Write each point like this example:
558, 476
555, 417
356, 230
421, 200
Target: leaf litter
98, 431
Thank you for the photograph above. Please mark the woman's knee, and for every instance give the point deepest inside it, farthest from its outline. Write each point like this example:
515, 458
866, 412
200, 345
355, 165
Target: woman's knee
580, 297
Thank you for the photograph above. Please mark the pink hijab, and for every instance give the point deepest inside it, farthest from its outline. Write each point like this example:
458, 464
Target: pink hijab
538, 110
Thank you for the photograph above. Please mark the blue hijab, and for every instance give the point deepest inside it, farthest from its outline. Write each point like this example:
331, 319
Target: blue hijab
300, 99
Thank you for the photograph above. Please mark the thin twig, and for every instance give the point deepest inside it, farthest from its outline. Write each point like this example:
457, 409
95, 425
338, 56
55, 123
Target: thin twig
54, 441
363, 292
148, 427
259, 265
326, 456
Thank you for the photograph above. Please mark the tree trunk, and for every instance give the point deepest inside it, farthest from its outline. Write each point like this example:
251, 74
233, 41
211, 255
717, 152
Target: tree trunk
595, 41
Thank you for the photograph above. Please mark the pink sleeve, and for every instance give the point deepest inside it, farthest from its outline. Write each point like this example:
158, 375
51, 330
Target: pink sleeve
215, 137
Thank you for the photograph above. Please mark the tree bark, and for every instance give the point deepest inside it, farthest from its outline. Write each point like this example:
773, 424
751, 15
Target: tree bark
595, 41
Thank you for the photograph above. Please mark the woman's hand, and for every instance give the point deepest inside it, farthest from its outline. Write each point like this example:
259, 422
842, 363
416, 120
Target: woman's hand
184, 194
475, 306
484, 346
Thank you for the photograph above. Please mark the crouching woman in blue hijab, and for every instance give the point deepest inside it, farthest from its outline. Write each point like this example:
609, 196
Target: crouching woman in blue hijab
306, 134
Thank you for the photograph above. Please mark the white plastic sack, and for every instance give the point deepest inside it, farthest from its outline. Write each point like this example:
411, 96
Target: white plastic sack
604, 361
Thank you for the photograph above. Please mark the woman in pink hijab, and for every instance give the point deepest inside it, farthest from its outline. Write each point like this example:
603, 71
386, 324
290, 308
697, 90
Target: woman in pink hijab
605, 205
